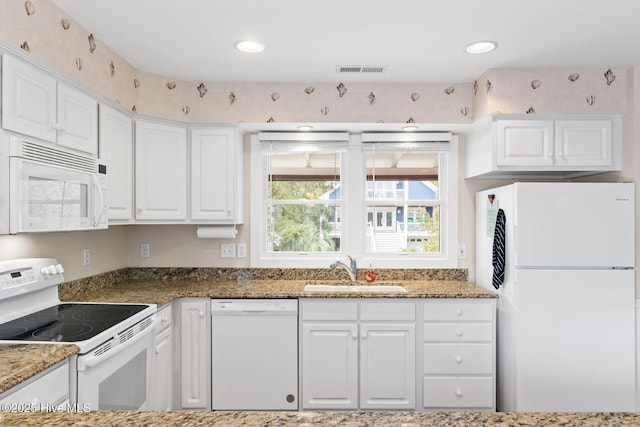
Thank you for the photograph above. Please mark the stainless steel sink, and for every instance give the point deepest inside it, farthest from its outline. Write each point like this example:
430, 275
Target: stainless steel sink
355, 288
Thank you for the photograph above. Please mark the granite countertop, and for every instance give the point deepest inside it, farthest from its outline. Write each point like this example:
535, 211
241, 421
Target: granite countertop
160, 292
19, 362
308, 419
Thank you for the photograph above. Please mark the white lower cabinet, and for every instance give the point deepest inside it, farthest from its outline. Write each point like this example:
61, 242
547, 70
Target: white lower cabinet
357, 354
387, 366
459, 356
44, 392
162, 389
193, 346
329, 366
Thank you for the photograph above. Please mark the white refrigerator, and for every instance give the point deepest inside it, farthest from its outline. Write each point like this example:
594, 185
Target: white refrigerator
566, 312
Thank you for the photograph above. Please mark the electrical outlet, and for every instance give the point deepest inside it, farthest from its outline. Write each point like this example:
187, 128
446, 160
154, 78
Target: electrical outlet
242, 250
462, 251
86, 256
228, 250
145, 250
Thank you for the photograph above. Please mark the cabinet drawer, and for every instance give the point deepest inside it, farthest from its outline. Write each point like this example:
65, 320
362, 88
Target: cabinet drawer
164, 315
383, 310
458, 359
329, 311
458, 332
451, 392
458, 311
50, 388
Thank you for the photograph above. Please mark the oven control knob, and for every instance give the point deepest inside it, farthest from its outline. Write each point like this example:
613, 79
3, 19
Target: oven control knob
44, 271
59, 268
52, 269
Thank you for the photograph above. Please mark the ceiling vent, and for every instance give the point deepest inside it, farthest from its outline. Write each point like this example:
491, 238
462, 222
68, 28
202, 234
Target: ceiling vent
347, 69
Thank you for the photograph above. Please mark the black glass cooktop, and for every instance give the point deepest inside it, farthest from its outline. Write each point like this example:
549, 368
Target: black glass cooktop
70, 322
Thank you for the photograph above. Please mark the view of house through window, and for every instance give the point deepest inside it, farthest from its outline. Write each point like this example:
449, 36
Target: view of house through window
387, 201
304, 202
402, 198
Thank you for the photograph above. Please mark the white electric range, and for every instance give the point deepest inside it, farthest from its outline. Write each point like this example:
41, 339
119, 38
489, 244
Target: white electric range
116, 341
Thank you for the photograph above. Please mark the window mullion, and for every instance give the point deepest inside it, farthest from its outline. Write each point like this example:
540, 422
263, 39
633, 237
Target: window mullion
354, 209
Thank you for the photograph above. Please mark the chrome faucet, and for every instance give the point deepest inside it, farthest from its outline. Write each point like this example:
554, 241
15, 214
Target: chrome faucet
351, 268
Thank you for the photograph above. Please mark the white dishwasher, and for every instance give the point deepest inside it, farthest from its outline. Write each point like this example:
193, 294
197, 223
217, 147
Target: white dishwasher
254, 354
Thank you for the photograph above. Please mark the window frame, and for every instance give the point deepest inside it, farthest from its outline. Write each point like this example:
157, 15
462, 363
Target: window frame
353, 216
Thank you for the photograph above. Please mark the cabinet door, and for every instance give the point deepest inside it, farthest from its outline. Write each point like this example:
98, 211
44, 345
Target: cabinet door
116, 147
330, 366
214, 174
194, 352
49, 388
161, 391
524, 143
28, 100
387, 366
583, 143
77, 120
161, 172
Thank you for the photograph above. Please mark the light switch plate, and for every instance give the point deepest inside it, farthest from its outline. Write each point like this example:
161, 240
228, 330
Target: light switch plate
228, 250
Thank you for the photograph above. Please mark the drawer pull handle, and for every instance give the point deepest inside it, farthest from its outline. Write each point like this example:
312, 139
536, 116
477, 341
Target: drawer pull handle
458, 359
458, 392
459, 312
459, 333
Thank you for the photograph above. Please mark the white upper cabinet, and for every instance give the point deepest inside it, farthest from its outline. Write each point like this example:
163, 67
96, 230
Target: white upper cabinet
35, 104
160, 172
216, 178
78, 120
513, 146
28, 100
116, 149
580, 143
196, 180
524, 143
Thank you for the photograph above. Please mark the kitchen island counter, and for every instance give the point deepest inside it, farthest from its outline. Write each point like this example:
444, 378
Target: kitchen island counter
307, 419
162, 292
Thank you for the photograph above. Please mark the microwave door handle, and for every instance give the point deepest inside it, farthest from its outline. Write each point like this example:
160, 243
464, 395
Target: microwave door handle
96, 185
92, 361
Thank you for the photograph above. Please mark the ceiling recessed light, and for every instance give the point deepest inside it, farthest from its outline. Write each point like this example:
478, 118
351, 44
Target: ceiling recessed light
483, 46
250, 46
305, 128
409, 128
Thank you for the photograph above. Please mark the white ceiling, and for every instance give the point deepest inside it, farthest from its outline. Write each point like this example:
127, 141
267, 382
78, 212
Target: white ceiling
419, 40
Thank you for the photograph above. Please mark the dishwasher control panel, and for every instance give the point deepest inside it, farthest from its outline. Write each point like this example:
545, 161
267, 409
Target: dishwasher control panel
247, 307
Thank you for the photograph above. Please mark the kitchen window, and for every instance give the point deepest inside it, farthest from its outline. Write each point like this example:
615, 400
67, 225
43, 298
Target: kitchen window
389, 200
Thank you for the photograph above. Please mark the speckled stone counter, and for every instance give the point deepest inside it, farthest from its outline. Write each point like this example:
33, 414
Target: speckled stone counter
161, 292
19, 362
307, 419
162, 285
272, 278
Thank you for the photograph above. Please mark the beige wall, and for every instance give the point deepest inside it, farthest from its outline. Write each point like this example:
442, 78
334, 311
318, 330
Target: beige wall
107, 249
509, 91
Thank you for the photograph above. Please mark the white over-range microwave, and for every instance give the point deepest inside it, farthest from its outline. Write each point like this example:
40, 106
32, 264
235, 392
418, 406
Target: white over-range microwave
45, 188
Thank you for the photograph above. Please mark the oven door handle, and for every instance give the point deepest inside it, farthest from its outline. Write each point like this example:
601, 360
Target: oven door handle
92, 361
